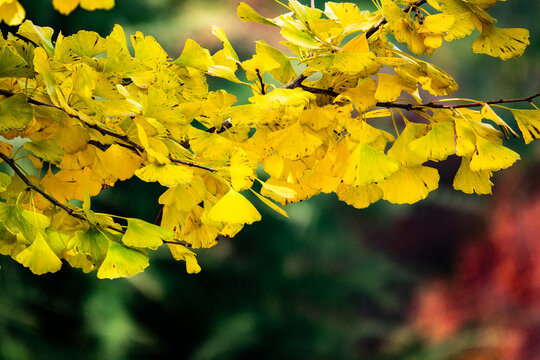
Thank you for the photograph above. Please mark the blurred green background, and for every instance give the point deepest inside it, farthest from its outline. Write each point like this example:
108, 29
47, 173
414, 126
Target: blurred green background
331, 282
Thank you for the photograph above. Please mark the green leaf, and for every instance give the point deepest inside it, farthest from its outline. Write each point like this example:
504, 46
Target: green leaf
13, 64
15, 113
47, 150
39, 35
5, 180
122, 261
141, 234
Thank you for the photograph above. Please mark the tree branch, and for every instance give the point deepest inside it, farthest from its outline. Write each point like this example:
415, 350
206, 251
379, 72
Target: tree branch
431, 105
70, 211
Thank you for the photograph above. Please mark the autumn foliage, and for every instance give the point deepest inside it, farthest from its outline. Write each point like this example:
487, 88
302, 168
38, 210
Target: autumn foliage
337, 114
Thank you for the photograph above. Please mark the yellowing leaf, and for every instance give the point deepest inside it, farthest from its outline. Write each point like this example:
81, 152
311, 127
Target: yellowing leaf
235, 209
491, 156
38, 34
180, 252
65, 6
241, 170
11, 12
282, 191
12, 64
285, 72
15, 113
148, 49
246, 13
358, 44
367, 165
270, 204
165, 174
388, 88
410, 184
437, 144
488, 113
502, 43
362, 96
470, 181
5, 180
401, 150
195, 56
529, 123
141, 234
294, 142
67, 185
437, 24
117, 163
227, 47
97, 4
349, 63
122, 261
359, 196
39, 257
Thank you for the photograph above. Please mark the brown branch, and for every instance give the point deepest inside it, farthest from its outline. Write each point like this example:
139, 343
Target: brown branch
28, 183
260, 80
296, 82
70, 211
431, 105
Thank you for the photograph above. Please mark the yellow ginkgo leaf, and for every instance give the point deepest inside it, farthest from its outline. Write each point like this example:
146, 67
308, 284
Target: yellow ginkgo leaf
359, 196
388, 87
141, 234
488, 113
97, 4
282, 191
362, 96
294, 142
367, 165
11, 12
437, 144
65, 6
181, 252
502, 43
165, 174
529, 123
199, 233
234, 208
122, 261
491, 156
270, 204
241, 171
401, 151
39, 257
410, 184
470, 181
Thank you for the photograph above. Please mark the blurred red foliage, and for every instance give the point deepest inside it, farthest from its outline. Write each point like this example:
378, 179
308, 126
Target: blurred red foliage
494, 291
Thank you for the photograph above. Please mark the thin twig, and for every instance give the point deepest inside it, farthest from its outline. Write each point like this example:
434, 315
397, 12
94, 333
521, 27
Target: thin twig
431, 105
28, 183
260, 80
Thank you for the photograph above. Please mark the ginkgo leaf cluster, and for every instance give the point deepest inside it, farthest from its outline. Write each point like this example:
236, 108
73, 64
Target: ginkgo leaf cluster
91, 112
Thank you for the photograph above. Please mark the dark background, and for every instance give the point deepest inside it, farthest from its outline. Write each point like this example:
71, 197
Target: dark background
453, 277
